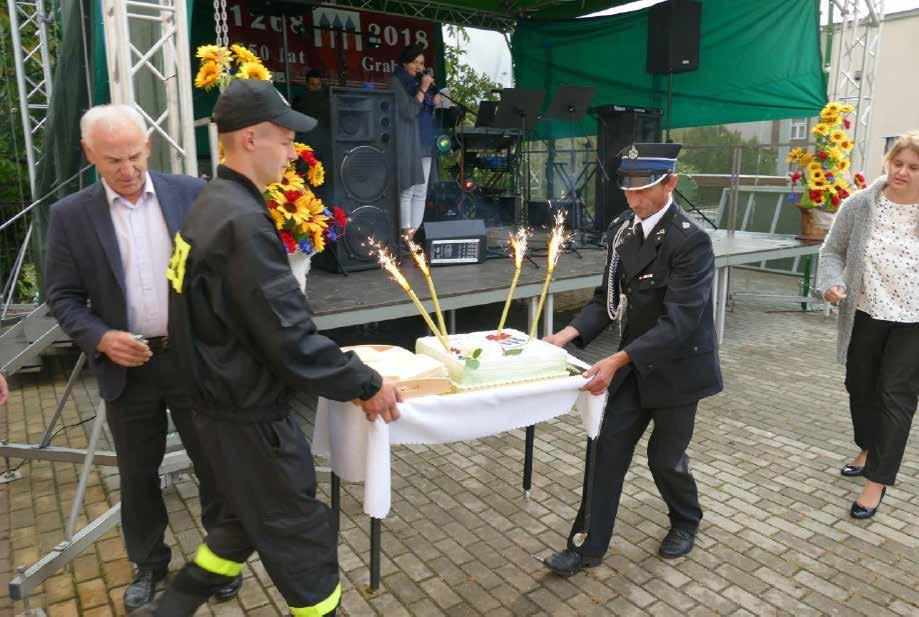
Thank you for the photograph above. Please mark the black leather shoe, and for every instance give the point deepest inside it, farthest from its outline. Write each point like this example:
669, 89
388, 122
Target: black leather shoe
230, 590
861, 512
851, 471
678, 542
142, 588
568, 563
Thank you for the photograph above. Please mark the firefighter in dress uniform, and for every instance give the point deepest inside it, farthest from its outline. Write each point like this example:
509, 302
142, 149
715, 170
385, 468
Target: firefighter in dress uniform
659, 280
246, 340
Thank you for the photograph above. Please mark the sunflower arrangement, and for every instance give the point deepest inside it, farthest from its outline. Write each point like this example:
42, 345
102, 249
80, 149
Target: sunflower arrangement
303, 221
825, 174
221, 64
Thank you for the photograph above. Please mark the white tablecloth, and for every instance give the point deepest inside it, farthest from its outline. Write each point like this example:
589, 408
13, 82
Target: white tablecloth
359, 451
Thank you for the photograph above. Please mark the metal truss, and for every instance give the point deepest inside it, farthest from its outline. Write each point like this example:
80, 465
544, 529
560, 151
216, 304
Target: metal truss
434, 11
165, 61
29, 21
854, 80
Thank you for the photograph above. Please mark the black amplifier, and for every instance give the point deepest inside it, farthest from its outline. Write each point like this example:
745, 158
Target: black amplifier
448, 243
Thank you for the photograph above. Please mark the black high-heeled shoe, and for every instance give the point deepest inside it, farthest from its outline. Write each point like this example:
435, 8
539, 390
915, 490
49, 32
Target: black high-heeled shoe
852, 471
860, 512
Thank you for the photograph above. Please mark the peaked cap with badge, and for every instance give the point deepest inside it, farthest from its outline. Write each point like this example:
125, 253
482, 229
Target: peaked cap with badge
644, 165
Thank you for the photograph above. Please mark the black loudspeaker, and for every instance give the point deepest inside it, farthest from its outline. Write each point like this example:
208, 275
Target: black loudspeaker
674, 31
617, 128
362, 172
449, 243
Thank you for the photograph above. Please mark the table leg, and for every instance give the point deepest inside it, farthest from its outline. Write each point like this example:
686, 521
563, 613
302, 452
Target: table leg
548, 324
724, 278
528, 461
336, 502
806, 286
374, 554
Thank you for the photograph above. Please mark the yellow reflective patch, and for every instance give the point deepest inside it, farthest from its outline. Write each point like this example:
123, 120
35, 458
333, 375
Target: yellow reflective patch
318, 610
176, 271
208, 560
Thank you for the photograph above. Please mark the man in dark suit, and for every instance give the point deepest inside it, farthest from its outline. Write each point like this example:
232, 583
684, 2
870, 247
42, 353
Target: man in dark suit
659, 279
108, 251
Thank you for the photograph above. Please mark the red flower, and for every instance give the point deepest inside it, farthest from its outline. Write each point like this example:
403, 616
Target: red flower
842, 193
289, 243
341, 219
846, 123
835, 200
821, 155
272, 204
796, 176
292, 196
308, 157
815, 194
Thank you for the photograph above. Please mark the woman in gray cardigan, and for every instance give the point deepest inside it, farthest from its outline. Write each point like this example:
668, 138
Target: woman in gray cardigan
869, 266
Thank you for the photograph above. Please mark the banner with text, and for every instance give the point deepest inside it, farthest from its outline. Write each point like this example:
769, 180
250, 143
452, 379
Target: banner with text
362, 45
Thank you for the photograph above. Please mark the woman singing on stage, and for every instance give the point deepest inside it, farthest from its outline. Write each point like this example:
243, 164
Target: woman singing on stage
415, 101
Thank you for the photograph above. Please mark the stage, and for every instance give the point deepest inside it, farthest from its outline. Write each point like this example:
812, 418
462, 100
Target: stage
369, 296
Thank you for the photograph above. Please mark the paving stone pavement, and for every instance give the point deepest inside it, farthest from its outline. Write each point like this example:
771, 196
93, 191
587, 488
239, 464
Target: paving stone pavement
776, 538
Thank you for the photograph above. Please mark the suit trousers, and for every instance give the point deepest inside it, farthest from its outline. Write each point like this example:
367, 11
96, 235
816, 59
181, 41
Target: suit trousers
624, 422
138, 423
882, 378
266, 475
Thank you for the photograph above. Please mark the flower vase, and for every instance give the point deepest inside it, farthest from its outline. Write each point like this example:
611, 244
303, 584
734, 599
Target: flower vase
300, 266
815, 224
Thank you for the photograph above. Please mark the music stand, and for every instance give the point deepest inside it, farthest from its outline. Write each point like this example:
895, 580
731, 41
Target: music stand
571, 103
519, 109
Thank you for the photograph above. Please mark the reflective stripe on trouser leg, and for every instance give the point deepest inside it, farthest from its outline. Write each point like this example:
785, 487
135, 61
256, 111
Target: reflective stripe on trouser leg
323, 608
206, 559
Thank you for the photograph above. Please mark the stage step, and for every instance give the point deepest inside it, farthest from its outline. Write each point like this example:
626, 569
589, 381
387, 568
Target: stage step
23, 343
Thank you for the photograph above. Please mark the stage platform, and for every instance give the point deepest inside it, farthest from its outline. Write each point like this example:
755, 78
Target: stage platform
369, 296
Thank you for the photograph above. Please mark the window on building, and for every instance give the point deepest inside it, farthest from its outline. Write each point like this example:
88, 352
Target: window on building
799, 129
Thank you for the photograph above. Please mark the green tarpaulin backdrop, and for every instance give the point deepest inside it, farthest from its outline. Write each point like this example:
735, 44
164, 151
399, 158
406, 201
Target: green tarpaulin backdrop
758, 61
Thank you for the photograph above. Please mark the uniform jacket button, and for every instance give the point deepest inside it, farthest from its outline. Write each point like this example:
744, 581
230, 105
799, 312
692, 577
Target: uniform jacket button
695, 348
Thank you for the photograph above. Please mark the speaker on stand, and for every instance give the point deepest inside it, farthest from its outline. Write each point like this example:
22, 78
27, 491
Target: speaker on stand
363, 177
618, 127
674, 32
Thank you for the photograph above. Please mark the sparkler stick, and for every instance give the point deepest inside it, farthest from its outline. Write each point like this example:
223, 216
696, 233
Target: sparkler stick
557, 239
519, 244
388, 264
418, 256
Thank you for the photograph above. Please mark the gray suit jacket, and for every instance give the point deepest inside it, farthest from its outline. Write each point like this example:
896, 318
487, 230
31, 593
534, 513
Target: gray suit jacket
84, 277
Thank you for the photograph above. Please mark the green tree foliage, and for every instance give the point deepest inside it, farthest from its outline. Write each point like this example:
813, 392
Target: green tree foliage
14, 173
467, 86
710, 150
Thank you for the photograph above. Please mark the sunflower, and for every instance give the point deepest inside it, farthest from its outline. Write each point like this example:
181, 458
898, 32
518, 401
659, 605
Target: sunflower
291, 181
846, 145
841, 165
820, 130
253, 70
279, 219
847, 108
806, 158
830, 119
815, 167
795, 154
832, 107
836, 154
837, 136
316, 175
244, 55
214, 53
208, 75
319, 241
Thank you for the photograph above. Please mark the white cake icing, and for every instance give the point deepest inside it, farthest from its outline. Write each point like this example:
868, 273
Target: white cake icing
398, 364
536, 360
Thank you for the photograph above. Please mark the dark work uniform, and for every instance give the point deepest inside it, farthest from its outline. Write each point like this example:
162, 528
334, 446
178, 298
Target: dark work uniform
243, 332
670, 336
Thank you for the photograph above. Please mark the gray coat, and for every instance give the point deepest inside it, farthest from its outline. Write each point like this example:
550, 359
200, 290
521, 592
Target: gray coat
842, 256
408, 137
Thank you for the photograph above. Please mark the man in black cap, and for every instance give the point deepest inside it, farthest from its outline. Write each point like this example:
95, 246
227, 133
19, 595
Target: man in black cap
659, 279
246, 342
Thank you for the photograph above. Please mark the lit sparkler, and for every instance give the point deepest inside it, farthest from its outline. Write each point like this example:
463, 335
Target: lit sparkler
519, 246
558, 237
418, 256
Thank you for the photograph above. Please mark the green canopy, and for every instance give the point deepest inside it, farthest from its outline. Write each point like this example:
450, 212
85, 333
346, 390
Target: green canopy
758, 61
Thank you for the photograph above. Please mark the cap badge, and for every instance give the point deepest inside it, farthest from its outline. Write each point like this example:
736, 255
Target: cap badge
633, 152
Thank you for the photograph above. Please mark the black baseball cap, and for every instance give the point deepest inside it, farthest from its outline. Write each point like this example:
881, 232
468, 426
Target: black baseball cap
247, 102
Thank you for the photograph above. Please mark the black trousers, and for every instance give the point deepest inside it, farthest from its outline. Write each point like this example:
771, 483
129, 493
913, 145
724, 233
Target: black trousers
624, 423
266, 475
882, 378
138, 423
